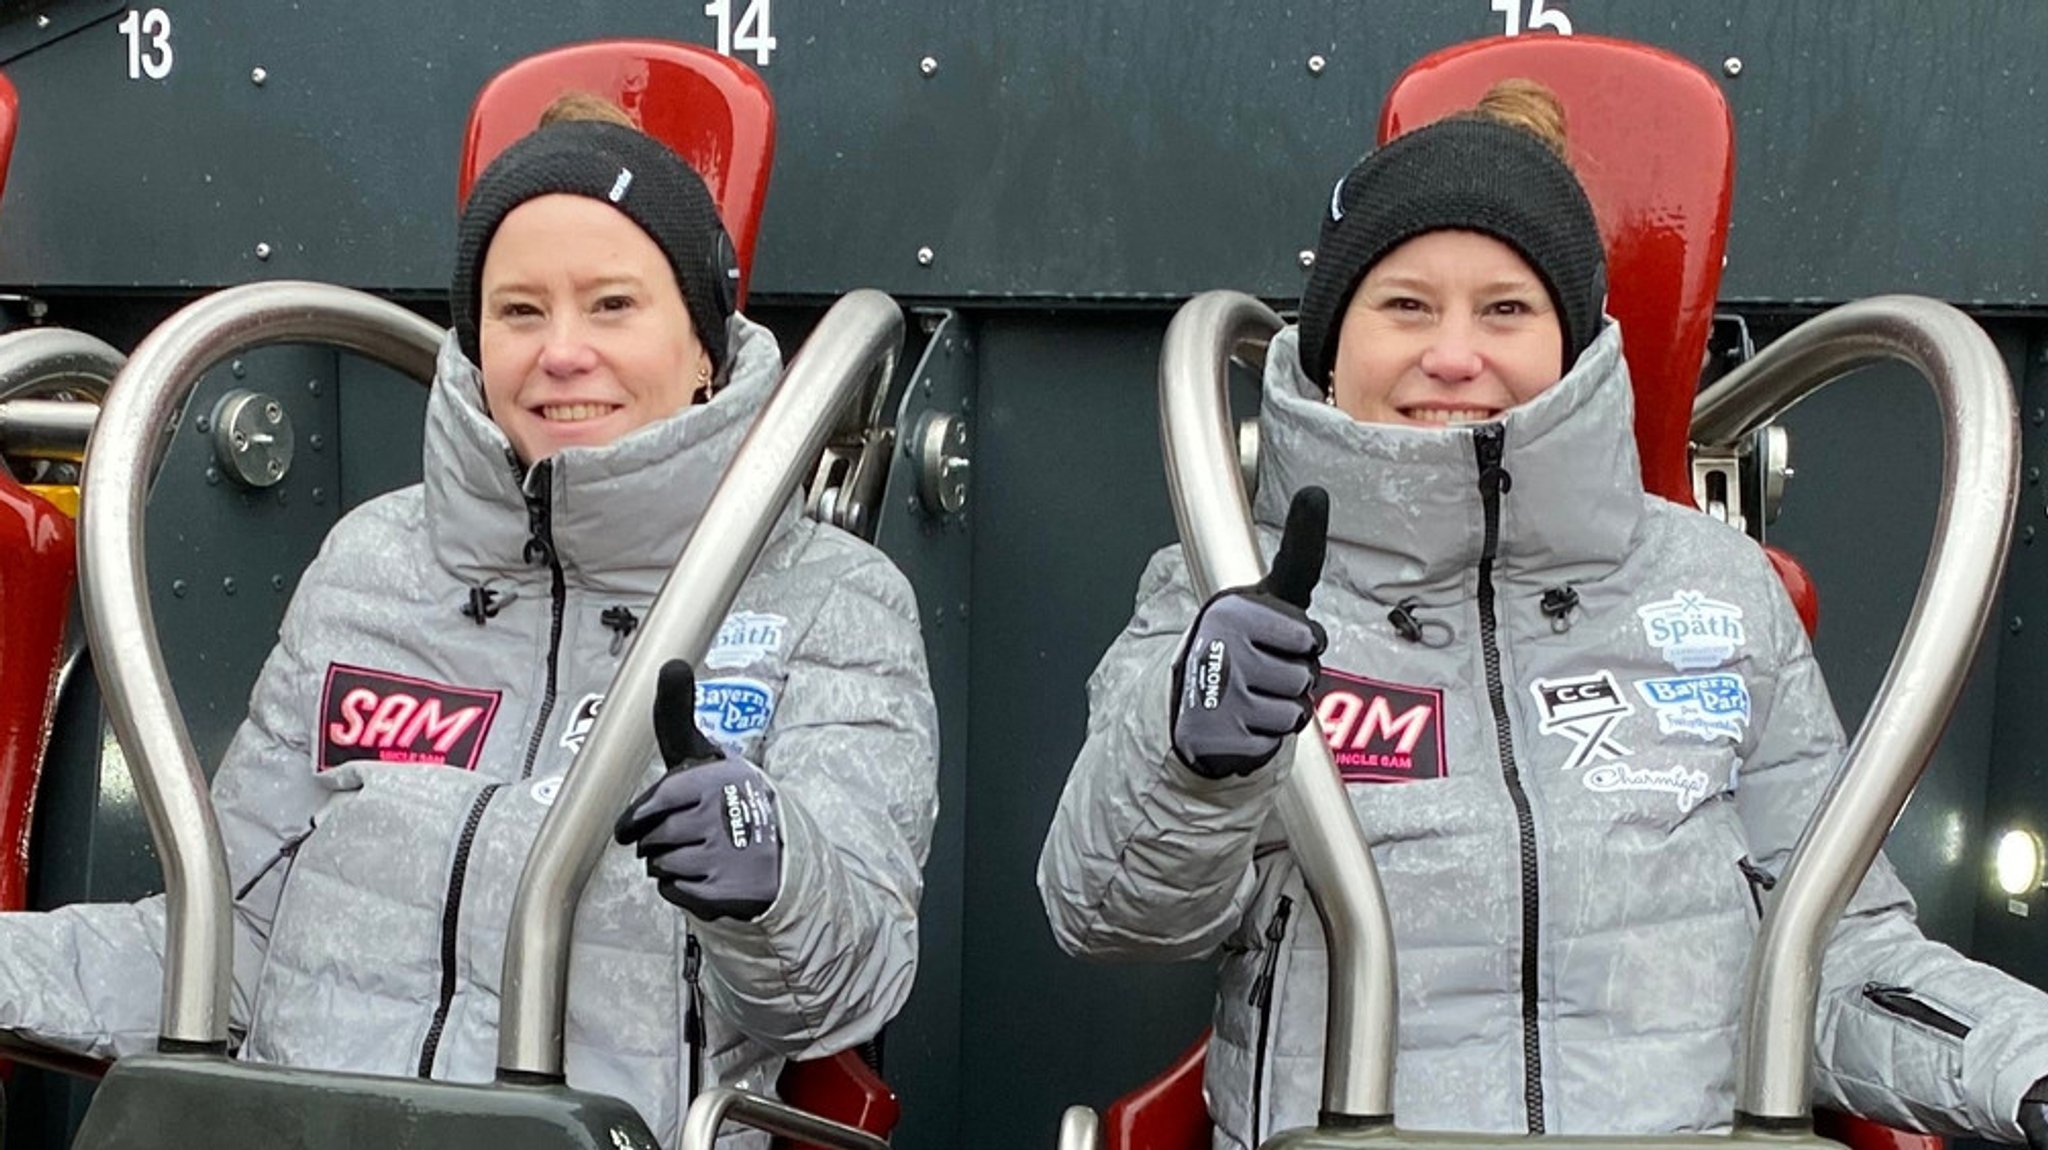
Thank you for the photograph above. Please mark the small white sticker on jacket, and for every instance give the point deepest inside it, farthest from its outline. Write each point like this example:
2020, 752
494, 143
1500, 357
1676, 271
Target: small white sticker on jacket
1693, 632
1707, 707
731, 710
1685, 784
581, 720
1584, 709
746, 637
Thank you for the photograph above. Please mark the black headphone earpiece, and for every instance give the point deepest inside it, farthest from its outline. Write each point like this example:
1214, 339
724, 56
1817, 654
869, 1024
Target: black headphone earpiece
724, 273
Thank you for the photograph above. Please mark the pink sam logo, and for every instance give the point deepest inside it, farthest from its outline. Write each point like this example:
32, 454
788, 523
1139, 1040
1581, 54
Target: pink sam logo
388, 718
1381, 732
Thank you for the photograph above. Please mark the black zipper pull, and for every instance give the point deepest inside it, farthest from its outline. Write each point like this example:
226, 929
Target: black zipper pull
538, 490
1489, 443
1276, 933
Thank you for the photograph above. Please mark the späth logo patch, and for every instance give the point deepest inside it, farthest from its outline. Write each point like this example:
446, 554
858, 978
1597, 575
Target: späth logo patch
389, 718
745, 637
729, 710
1381, 732
1693, 632
1584, 709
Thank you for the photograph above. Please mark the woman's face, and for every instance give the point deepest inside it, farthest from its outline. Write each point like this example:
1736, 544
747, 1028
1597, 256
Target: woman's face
584, 334
1450, 327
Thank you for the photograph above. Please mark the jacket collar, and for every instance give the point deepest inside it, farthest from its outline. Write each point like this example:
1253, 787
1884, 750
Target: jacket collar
620, 514
1406, 516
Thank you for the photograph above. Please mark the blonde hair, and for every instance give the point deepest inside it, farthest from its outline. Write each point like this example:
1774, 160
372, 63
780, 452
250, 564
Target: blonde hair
1530, 106
572, 107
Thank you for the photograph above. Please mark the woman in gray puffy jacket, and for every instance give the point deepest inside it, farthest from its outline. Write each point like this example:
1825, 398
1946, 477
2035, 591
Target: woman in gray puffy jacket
449, 649
1580, 725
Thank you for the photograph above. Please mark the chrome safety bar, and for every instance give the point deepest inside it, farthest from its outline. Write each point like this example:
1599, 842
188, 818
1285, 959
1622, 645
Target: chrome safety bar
1080, 1129
1979, 489
134, 425
46, 428
37, 361
721, 1104
1222, 550
860, 335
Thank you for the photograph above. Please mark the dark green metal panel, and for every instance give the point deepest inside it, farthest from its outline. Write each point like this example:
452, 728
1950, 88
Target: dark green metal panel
1132, 148
923, 1052
2010, 930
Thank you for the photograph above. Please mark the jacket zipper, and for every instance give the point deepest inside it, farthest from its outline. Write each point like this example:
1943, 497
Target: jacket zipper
451, 913
1760, 880
1899, 1000
287, 850
540, 546
1262, 997
693, 1011
1488, 444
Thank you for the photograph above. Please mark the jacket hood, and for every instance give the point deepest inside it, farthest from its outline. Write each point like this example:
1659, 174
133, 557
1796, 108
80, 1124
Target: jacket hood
1406, 516
620, 513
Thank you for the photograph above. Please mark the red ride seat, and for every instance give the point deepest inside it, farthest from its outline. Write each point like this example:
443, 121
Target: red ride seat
1652, 141
37, 561
717, 114
713, 110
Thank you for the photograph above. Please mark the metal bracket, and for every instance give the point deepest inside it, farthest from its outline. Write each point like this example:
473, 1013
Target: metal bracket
944, 462
1743, 484
846, 488
252, 437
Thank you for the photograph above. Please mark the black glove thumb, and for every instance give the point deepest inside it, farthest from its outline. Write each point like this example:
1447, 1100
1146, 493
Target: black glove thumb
1298, 564
675, 717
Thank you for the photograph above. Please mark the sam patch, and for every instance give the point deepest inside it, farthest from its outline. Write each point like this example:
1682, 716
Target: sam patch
1381, 732
1584, 709
746, 637
388, 718
733, 710
581, 721
1707, 707
1693, 632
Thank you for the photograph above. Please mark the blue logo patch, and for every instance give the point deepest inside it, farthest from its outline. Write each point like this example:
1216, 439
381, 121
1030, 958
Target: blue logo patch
1707, 707
729, 710
1694, 633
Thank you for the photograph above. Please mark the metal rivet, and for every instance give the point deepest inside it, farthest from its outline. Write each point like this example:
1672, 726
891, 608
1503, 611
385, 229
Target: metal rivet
2033, 475
272, 413
178, 588
2040, 416
319, 495
963, 610
213, 475
312, 387
202, 425
227, 585
1316, 64
277, 582
1307, 258
315, 442
262, 251
1732, 65
42, 21
238, 369
275, 467
2016, 624
925, 256
928, 66
2026, 534
258, 75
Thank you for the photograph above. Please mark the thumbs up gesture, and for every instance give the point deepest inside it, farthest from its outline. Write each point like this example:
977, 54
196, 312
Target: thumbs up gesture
708, 828
1245, 673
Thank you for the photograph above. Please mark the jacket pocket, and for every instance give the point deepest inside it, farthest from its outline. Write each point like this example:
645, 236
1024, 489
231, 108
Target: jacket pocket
1264, 994
279, 863
1901, 1002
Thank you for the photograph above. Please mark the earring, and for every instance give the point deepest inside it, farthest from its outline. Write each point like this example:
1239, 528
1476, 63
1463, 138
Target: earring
1329, 398
704, 390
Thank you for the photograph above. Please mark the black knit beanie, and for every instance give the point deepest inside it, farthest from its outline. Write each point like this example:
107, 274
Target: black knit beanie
1465, 173
629, 170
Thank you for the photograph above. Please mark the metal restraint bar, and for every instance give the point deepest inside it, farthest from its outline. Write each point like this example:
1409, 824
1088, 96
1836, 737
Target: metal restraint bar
1202, 472
859, 336
713, 1108
1979, 488
127, 443
51, 382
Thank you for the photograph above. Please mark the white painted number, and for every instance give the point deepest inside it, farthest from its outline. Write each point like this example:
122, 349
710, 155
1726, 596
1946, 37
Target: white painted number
149, 43
1540, 18
749, 34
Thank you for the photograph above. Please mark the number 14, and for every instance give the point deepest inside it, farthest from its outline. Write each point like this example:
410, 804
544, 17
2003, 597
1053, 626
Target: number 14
750, 33
1539, 18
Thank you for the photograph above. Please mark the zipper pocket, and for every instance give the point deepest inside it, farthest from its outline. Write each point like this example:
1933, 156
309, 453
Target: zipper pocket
1760, 882
286, 851
451, 919
1262, 998
1899, 1000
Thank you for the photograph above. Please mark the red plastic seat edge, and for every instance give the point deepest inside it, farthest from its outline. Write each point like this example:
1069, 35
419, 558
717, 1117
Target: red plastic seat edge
37, 562
842, 1088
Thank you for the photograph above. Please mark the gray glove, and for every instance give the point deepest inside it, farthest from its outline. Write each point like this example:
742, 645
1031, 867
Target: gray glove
707, 828
1243, 680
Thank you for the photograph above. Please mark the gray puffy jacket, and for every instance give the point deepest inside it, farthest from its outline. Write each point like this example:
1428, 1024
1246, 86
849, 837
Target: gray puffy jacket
1589, 756
439, 667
